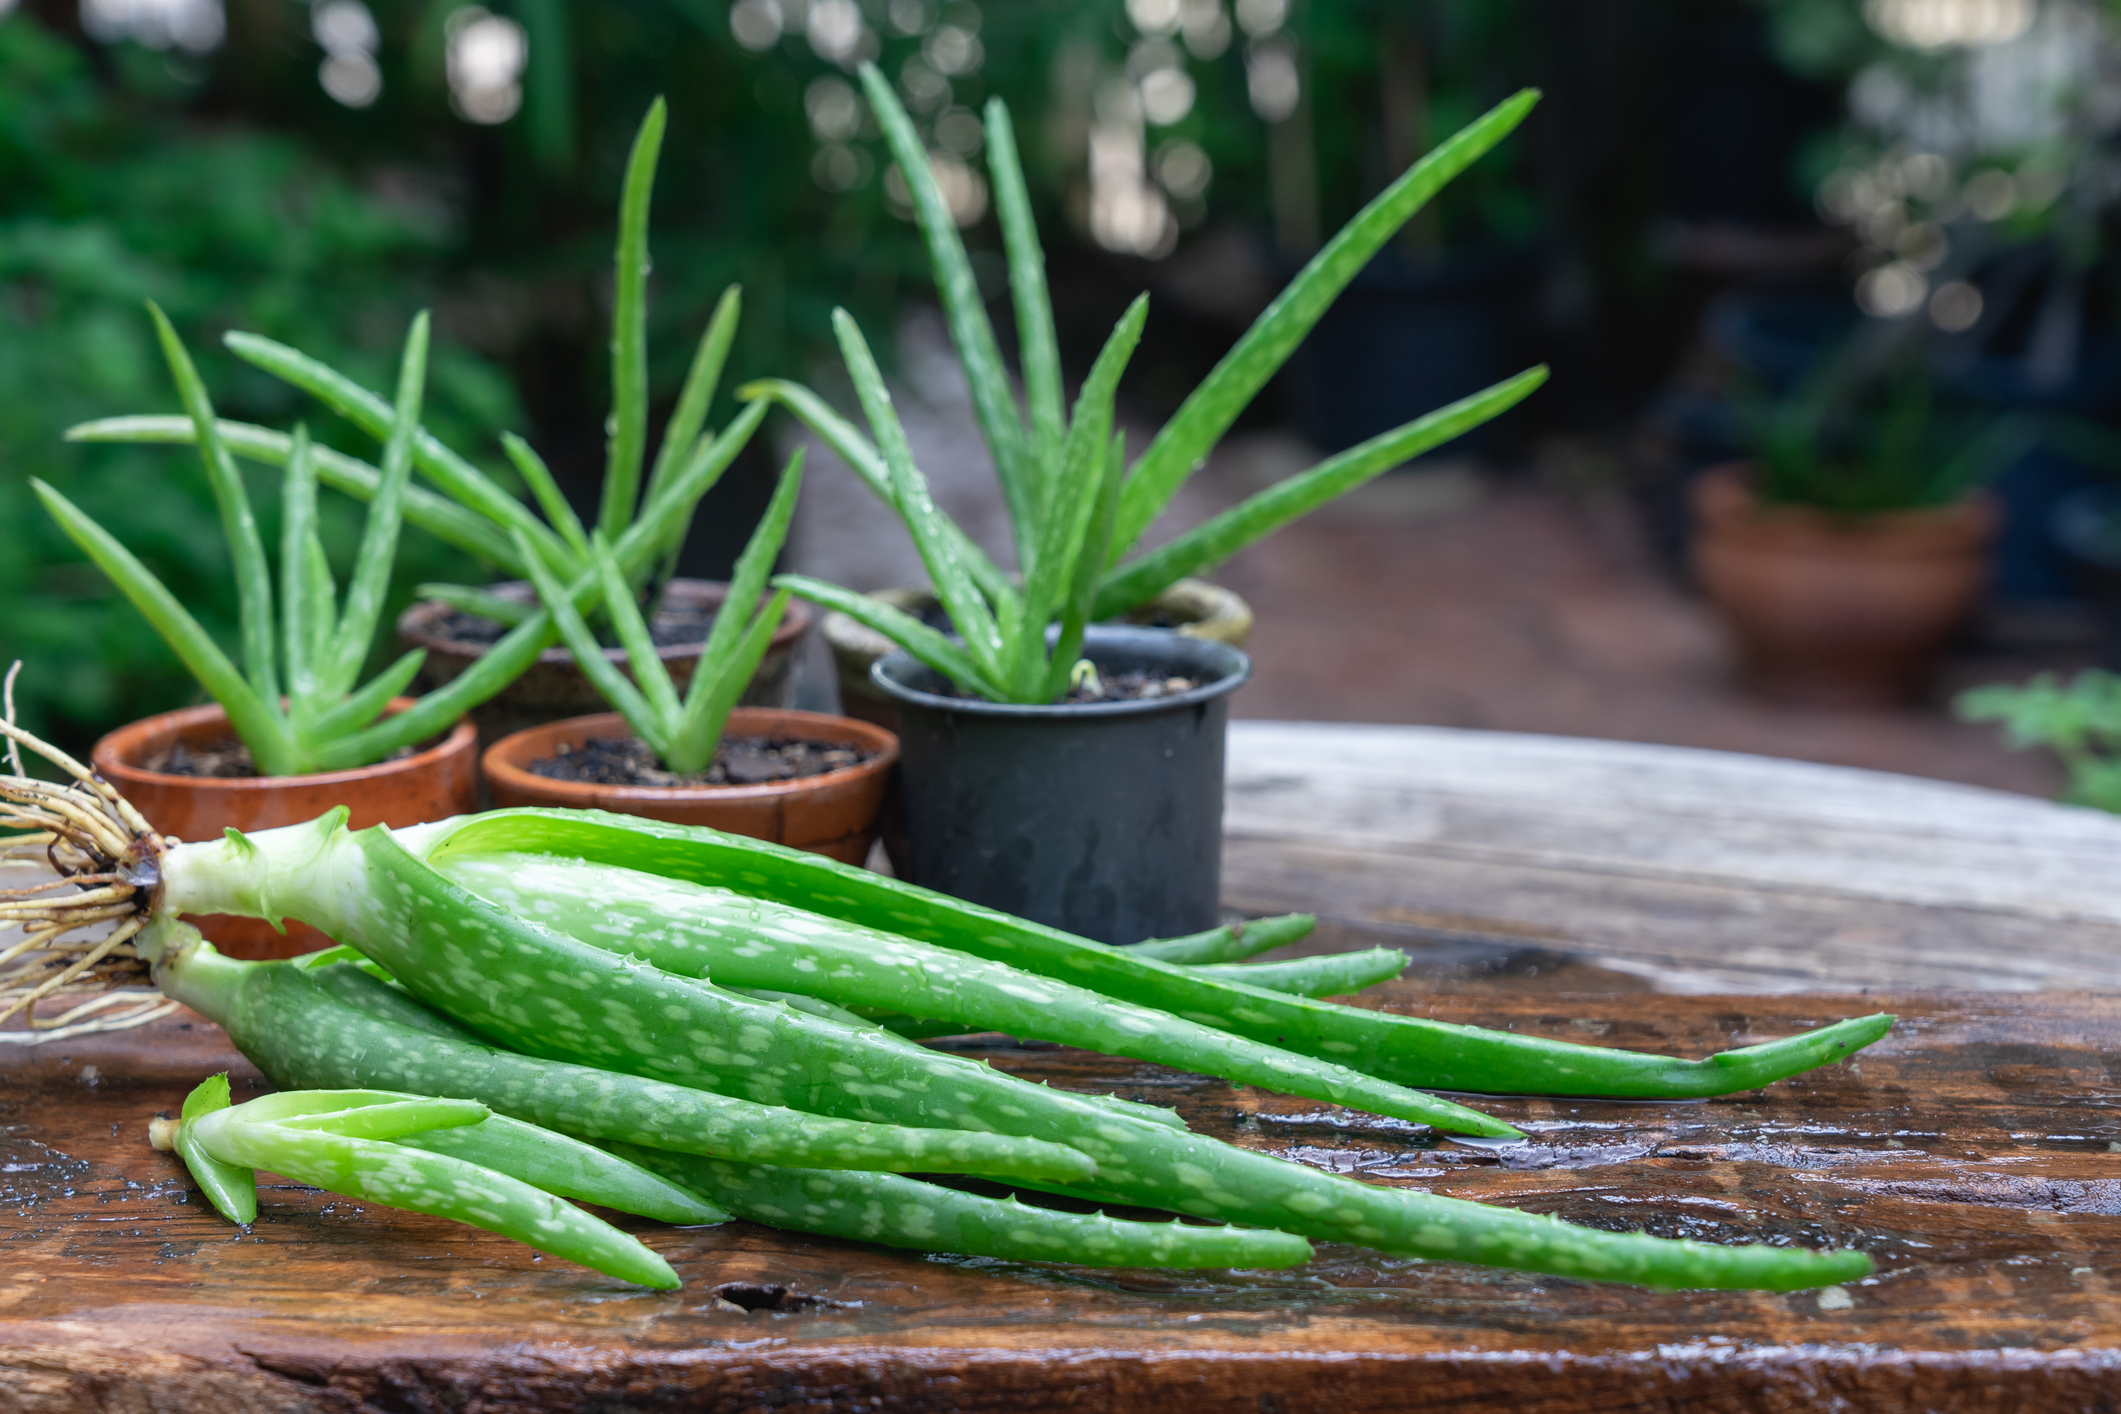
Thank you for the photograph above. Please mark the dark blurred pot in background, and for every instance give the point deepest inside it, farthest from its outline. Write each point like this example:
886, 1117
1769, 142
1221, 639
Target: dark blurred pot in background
2087, 525
1833, 610
1406, 337
554, 689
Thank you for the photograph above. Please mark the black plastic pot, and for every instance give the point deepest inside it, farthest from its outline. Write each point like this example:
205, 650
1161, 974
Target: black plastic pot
1103, 819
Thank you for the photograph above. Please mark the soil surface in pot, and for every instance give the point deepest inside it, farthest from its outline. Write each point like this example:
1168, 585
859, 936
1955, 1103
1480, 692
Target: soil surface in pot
1132, 685
671, 628
738, 761
228, 759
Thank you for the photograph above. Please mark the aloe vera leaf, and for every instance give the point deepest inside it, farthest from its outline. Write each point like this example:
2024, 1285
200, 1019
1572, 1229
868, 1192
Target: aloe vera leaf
439, 710
336, 1025
398, 1176
733, 651
483, 603
691, 930
323, 592
707, 714
437, 515
458, 479
372, 887
904, 1212
629, 700
748, 579
1076, 612
689, 417
663, 520
1207, 413
926, 644
1076, 495
1037, 346
531, 467
231, 1188
357, 709
563, 1165
245, 547
1410, 1050
953, 582
993, 405
299, 607
1210, 543
1232, 942
382, 1117
370, 581
1331, 975
847, 442
632, 627
629, 331
261, 729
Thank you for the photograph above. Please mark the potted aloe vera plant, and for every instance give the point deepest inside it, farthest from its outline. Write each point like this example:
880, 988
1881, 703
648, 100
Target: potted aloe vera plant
692, 757
645, 518
295, 731
1843, 556
1055, 766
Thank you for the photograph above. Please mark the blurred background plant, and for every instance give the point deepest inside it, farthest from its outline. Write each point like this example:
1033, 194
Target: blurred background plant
2080, 723
1712, 190
1862, 434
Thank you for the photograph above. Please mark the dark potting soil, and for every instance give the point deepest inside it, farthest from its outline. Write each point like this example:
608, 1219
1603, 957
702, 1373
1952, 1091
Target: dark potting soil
227, 760
1133, 685
682, 628
738, 761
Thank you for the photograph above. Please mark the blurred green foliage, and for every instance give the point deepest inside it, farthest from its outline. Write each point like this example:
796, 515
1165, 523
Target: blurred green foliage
1862, 434
2080, 723
110, 195
230, 187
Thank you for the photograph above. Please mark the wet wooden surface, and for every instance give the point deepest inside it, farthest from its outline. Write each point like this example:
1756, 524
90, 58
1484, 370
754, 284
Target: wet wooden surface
1973, 1153
1584, 890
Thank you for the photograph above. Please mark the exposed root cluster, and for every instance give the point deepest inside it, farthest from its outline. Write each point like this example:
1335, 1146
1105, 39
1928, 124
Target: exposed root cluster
75, 953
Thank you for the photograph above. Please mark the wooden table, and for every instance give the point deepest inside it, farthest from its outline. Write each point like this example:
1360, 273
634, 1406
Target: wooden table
1544, 885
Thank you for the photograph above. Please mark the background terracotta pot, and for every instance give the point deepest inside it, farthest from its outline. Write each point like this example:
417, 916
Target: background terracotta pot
1832, 610
554, 688
1192, 607
432, 784
834, 814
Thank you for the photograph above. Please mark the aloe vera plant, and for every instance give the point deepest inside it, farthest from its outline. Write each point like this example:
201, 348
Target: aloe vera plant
683, 732
297, 701
682, 996
645, 520
1075, 506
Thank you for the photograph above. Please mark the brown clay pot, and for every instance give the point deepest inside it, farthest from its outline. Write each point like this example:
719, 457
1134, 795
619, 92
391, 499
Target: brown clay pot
428, 785
834, 814
1192, 607
1834, 610
554, 689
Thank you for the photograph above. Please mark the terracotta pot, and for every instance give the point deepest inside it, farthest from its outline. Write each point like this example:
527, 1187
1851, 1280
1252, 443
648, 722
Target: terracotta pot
834, 814
428, 785
1834, 610
554, 688
1193, 607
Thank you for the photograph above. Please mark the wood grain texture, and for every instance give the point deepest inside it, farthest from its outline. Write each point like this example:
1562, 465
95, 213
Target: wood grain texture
1700, 870
1973, 1153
